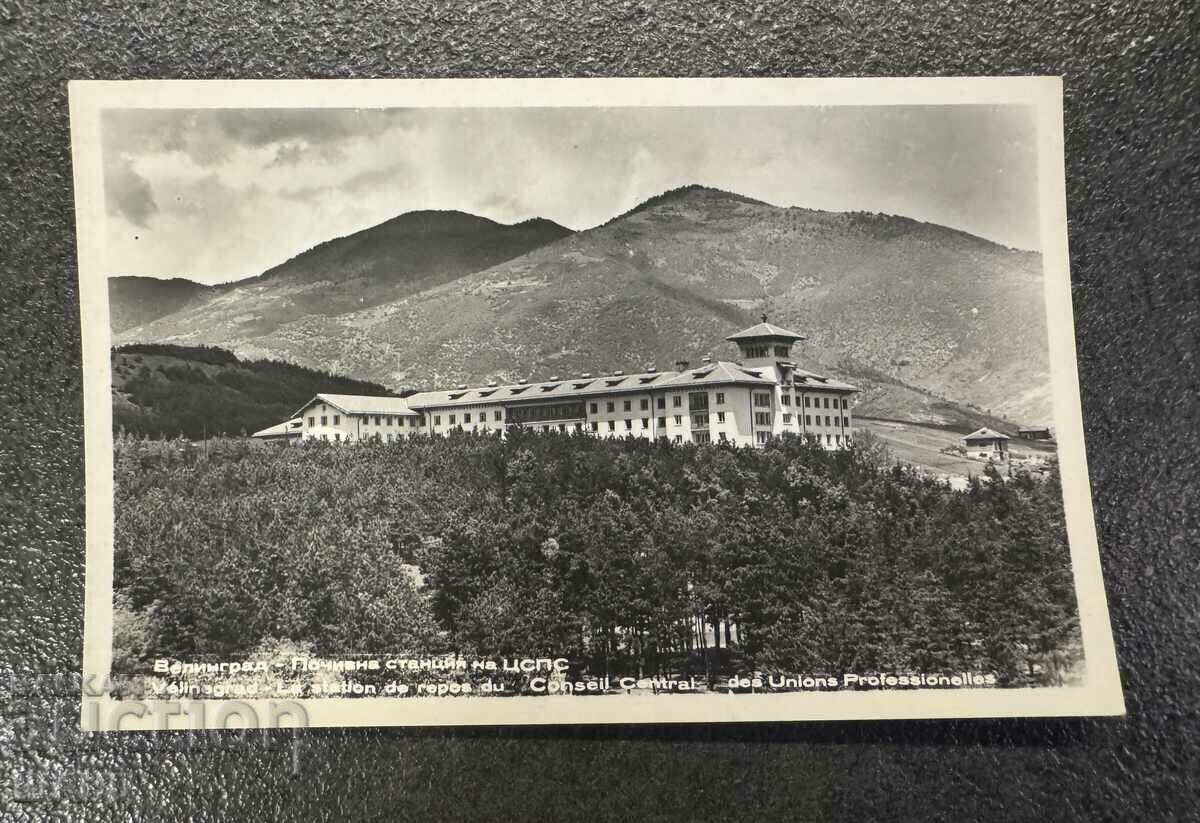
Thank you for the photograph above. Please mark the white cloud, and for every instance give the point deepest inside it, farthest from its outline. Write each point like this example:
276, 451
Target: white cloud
222, 194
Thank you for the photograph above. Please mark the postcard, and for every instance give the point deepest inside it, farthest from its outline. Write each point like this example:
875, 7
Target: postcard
495, 402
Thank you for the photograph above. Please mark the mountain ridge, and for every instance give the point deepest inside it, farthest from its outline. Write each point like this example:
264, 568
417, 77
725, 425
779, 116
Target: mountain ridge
135, 300
917, 306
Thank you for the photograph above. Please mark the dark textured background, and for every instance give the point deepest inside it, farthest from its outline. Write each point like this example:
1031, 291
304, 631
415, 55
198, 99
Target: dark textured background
1133, 117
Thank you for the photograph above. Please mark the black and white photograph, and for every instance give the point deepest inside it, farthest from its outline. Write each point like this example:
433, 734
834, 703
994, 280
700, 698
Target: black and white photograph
526, 402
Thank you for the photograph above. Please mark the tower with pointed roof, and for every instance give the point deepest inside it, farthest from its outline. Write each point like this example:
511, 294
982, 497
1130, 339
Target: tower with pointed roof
766, 345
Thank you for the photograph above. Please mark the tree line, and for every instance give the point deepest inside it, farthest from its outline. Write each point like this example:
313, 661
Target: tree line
629, 557
204, 391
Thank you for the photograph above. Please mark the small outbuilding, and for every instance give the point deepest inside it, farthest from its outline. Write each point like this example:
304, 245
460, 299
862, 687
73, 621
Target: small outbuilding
1035, 433
986, 444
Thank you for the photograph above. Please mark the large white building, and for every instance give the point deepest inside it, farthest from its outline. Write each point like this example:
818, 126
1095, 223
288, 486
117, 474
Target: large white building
763, 395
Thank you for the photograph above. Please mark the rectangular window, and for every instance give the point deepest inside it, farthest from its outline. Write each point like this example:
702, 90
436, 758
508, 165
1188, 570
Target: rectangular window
312, 421
594, 408
595, 426
829, 440
645, 422
761, 437
787, 418
846, 422
389, 437
720, 417
437, 420
826, 402
720, 398
844, 404
662, 422
678, 420
721, 436
703, 437
400, 422
807, 404
376, 420
497, 415
609, 405
324, 420
661, 403
699, 420
467, 417
679, 438
628, 405
644, 403
337, 438
612, 426
837, 438
786, 399
762, 418
337, 419
677, 401
763, 399
628, 425
827, 423
452, 420
808, 419
781, 351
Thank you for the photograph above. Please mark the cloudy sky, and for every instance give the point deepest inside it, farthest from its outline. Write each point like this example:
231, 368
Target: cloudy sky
218, 195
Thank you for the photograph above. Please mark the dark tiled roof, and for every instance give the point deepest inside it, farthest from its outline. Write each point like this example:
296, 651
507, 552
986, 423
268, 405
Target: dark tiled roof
764, 329
718, 373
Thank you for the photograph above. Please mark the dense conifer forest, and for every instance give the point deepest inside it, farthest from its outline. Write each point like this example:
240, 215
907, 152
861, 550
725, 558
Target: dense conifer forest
625, 556
162, 390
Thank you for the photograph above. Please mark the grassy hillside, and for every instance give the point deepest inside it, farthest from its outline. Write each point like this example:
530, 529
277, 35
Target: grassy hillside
166, 391
931, 314
934, 449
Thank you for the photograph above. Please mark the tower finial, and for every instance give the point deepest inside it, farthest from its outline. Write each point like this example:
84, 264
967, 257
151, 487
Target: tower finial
764, 317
